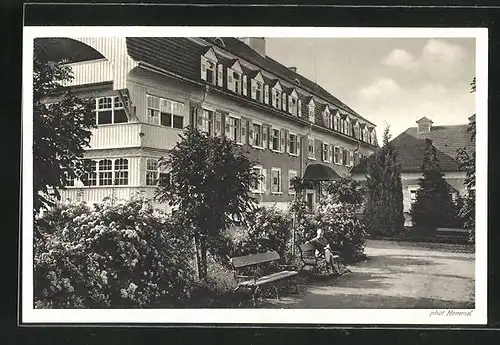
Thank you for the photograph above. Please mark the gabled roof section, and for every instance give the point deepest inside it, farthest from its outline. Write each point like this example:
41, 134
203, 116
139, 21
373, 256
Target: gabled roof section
291, 91
210, 54
309, 100
411, 146
235, 65
424, 120
257, 75
275, 84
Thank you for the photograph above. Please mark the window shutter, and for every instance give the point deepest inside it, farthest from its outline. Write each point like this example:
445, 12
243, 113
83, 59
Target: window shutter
266, 94
245, 85
341, 160
254, 85
288, 143
299, 112
203, 68
351, 158
226, 123
330, 152
243, 131
325, 119
230, 81
264, 136
199, 119
218, 124
282, 140
250, 133
220, 74
273, 97
283, 102
270, 137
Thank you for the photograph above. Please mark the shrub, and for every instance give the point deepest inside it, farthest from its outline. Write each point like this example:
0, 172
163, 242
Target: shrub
267, 229
343, 230
127, 255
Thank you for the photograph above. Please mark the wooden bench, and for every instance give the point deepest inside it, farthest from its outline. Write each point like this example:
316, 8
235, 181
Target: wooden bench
254, 280
308, 257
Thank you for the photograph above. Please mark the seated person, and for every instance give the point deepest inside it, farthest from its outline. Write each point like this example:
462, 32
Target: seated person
323, 248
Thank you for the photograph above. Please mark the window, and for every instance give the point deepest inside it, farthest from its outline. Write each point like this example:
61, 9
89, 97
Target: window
276, 98
110, 110
337, 155
324, 152
276, 181
346, 157
311, 112
257, 90
356, 131
275, 139
257, 135
413, 194
207, 70
105, 172
293, 144
165, 112
205, 121
70, 180
292, 106
328, 119
234, 129
121, 172
336, 122
291, 175
310, 149
151, 172
90, 179
259, 185
237, 82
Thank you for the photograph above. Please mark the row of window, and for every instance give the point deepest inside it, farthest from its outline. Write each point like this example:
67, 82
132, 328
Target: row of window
273, 183
275, 95
105, 172
243, 131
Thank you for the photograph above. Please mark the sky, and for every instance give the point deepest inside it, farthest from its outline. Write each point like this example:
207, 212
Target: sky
393, 81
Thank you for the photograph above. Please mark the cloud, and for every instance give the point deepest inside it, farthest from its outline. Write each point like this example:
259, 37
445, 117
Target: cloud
400, 58
382, 89
439, 60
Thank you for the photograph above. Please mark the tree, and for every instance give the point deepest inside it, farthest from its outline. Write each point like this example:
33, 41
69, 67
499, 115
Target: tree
209, 186
467, 162
61, 131
433, 206
383, 212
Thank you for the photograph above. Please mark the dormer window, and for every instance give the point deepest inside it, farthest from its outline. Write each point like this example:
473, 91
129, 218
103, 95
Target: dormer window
257, 85
311, 112
357, 130
293, 103
424, 125
327, 118
336, 121
208, 66
234, 78
276, 91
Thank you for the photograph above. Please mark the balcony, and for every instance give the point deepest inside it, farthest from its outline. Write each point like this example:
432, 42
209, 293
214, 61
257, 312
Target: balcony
159, 137
116, 136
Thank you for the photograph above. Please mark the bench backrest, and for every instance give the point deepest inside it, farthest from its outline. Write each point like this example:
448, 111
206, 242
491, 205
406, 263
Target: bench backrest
307, 249
254, 259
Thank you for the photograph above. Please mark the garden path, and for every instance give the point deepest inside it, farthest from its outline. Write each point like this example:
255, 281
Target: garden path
396, 275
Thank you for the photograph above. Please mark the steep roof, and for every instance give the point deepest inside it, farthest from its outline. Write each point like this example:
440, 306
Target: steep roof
411, 147
181, 56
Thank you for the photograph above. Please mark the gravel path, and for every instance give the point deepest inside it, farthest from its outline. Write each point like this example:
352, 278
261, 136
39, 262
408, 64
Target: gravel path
396, 275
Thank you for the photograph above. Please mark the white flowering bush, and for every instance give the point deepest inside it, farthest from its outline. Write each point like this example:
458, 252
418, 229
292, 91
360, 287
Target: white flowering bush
343, 230
268, 229
127, 255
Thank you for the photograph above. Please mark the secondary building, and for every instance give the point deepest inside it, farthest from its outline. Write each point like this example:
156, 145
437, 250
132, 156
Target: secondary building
147, 90
411, 145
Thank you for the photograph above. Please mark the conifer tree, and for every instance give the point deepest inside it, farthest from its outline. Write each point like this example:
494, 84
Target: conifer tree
433, 207
383, 211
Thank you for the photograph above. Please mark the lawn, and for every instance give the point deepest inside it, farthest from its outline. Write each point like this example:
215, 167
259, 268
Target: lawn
395, 275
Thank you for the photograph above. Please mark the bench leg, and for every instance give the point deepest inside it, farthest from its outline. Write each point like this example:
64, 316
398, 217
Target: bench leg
254, 292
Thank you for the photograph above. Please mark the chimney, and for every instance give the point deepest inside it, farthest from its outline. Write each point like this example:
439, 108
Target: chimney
256, 43
294, 69
424, 125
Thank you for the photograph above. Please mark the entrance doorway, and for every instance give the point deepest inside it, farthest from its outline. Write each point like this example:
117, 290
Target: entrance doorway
310, 198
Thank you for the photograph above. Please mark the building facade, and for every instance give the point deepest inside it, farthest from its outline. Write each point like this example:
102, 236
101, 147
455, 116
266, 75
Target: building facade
147, 90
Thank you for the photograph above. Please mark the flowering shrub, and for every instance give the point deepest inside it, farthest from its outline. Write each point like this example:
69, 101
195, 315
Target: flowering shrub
127, 255
343, 230
268, 229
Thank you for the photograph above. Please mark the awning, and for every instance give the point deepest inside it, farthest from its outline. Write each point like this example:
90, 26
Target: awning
320, 172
